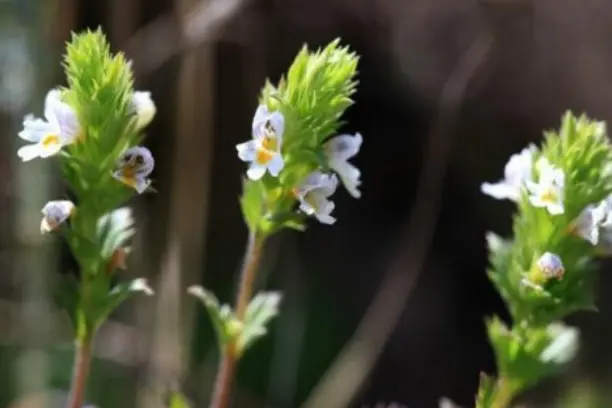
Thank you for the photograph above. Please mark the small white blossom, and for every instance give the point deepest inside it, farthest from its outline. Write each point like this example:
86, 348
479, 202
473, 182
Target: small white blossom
55, 213
563, 346
548, 191
143, 106
338, 150
314, 194
517, 171
134, 167
264, 151
59, 128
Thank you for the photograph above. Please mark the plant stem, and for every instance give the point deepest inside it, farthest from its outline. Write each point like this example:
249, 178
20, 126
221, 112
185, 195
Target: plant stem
81, 372
503, 394
227, 367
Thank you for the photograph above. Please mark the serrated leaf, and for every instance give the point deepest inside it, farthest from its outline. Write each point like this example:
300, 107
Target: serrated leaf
260, 311
118, 295
222, 317
114, 231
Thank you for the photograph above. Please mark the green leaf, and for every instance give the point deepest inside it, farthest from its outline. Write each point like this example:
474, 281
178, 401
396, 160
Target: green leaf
117, 296
252, 203
527, 355
260, 311
114, 231
223, 319
486, 391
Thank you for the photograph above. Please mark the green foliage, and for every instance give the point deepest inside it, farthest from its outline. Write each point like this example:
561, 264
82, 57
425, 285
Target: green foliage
224, 321
527, 355
312, 98
260, 311
100, 90
229, 329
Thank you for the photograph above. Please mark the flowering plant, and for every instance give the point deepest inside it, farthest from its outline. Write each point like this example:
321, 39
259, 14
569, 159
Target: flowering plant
93, 128
563, 224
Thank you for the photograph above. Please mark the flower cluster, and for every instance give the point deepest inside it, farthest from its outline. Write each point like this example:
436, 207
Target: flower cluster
61, 128
266, 155
593, 224
563, 190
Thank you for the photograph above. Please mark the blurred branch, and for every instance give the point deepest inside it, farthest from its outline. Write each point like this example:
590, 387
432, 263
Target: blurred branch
344, 378
166, 37
188, 208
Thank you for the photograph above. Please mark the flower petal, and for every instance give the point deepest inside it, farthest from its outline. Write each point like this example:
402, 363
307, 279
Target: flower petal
343, 147
29, 152
49, 149
143, 106
256, 171
278, 124
276, 165
501, 191
350, 176
247, 151
35, 129
52, 99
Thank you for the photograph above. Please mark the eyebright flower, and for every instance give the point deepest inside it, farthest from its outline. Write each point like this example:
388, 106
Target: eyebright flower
55, 213
59, 128
338, 150
143, 106
264, 151
313, 196
134, 167
517, 171
548, 192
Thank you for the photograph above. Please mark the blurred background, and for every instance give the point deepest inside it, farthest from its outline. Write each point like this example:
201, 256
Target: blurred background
388, 304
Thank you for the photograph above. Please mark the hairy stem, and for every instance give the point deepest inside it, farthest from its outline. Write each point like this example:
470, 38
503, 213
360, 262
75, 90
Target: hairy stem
81, 372
227, 367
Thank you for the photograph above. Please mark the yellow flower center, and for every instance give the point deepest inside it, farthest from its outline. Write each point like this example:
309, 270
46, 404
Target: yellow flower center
270, 143
50, 140
267, 150
128, 176
549, 195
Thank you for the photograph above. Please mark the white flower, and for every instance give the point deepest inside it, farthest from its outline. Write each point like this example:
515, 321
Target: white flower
143, 106
134, 167
563, 346
313, 196
59, 128
548, 192
264, 151
339, 150
517, 171
55, 213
